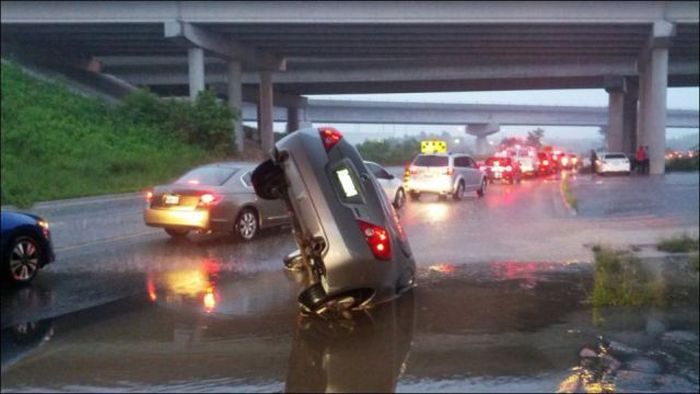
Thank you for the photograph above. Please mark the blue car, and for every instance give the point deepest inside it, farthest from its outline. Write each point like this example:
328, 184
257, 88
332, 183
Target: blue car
26, 246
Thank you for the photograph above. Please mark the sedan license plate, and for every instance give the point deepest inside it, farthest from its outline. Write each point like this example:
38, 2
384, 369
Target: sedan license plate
172, 199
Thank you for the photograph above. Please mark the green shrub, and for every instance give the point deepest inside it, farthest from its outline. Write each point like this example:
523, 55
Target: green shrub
390, 151
682, 244
683, 164
622, 279
57, 144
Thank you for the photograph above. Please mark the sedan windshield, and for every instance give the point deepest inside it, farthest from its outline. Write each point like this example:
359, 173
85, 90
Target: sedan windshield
210, 175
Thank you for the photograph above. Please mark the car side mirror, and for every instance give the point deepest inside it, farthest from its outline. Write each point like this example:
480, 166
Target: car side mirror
390, 176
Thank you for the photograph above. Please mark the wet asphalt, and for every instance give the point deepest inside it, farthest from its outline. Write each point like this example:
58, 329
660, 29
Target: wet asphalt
501, 303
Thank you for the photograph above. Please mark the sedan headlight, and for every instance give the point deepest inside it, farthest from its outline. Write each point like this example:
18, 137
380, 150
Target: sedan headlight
44, 226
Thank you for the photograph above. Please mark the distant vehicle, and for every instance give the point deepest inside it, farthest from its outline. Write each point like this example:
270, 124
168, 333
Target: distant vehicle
503, 169
26, 246
393, 187
527, 164
546, 165
213, 198
616, 162
445, 175
348, 234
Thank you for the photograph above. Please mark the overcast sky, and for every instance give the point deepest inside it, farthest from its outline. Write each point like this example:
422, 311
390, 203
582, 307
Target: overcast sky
678, 98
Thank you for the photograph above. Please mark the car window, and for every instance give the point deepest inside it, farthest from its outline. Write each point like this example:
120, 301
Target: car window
471, 163
209, 175
246, 179
431, 161
378, 171
615, 156
461, 161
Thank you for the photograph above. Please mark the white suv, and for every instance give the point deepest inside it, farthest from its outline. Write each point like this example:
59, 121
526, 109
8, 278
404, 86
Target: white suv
444, 174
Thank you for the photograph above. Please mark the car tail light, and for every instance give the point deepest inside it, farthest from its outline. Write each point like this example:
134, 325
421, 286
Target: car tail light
545, 162
377, 239
149, 196
330, 137
448, 171
209, 199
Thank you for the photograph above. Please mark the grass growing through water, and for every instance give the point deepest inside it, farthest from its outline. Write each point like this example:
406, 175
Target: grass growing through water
622, 279
568, 194
681, 244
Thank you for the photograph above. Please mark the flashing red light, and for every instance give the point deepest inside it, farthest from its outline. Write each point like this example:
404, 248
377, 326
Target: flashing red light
209, 199
377, 239
330, 137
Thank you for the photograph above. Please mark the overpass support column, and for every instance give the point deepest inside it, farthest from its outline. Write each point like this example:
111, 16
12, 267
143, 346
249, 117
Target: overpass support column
195, 60
480, 131
292, 119
482, 145
629, 126
655, 96
615, 86
265, 107
235, 101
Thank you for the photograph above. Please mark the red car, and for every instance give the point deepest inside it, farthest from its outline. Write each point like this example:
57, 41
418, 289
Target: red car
546, 165
502, 169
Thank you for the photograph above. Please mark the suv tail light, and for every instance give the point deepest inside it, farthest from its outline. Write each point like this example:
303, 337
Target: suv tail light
209, 199
377, 239
330, 137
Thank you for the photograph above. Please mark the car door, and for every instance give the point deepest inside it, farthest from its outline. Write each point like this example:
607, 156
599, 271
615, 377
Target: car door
474, 175
271, 211
462, 166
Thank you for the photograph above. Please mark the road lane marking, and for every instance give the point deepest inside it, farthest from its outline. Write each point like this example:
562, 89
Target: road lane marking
105, 240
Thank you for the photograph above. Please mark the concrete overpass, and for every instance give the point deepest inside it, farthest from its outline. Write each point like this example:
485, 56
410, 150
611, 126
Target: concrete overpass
386, 112
634, 50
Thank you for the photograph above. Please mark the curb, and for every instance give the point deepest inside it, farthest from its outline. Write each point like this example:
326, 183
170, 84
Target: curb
78, 201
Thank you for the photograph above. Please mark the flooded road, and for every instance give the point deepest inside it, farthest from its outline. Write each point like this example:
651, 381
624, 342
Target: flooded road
502, 304
501, 326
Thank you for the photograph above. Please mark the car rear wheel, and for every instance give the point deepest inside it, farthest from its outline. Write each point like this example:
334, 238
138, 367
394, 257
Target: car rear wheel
22, 261
459, 193
400, 198
482, 189
247, 224
177, 234
415, 196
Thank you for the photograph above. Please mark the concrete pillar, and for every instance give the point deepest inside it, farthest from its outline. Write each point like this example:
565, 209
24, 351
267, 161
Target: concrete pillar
655, 125
235, 101
629, 126
266, 107
195, 59
482, 145
292, 119
615, 86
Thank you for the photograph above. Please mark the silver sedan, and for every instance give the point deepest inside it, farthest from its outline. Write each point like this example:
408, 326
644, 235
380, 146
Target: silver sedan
213, 198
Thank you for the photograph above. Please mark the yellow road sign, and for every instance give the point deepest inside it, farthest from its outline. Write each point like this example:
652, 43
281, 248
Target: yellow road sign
433, 146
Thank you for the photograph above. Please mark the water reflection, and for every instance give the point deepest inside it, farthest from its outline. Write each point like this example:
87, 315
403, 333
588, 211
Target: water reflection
367, 353
21, 339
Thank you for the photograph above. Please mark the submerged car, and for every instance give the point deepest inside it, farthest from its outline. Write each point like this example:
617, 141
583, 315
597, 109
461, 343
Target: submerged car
350, 240
26, 246
392, 186
216, 197
445, 174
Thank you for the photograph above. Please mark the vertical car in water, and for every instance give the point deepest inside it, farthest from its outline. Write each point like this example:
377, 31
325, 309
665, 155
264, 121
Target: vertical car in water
26, 246
350, 240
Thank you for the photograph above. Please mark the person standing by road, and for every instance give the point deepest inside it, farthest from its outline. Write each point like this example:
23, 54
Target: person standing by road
646, 159
639, 158
594, 158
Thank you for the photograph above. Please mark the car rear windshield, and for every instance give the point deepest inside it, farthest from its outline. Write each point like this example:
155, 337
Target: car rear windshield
615, 156
210, 175
502, 161
431, 161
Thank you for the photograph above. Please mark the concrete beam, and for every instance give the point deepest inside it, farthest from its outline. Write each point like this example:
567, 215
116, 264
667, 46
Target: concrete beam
218, 45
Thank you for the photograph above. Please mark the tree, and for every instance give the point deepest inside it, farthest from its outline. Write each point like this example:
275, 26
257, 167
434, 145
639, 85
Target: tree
534, 137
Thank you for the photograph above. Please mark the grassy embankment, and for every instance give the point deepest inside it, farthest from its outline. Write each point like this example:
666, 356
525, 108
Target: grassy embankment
57, 144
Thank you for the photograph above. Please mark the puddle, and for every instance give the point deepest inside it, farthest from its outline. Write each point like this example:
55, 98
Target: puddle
502, 326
